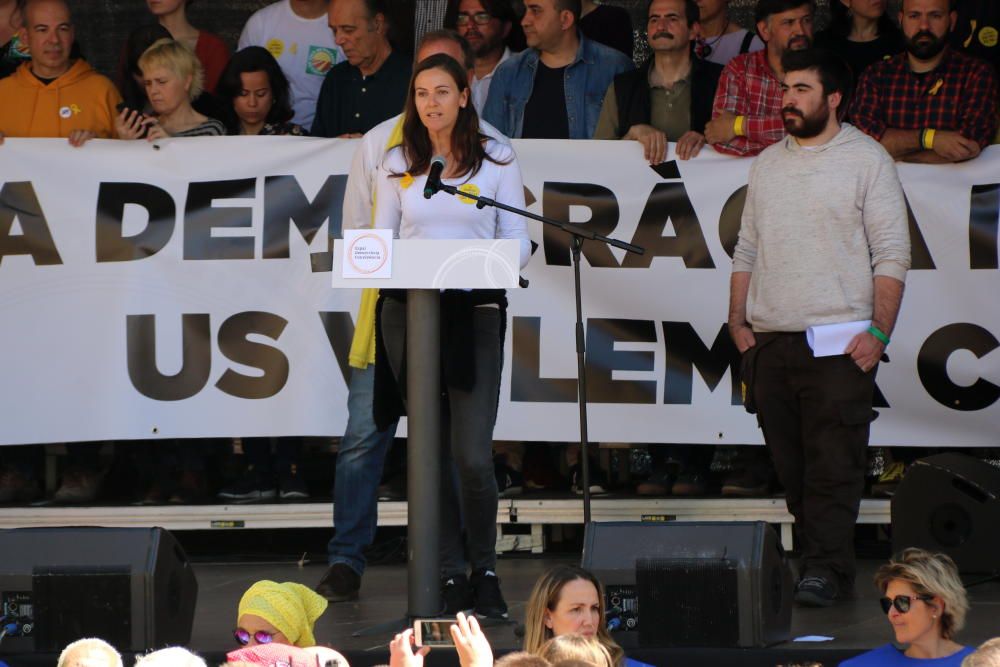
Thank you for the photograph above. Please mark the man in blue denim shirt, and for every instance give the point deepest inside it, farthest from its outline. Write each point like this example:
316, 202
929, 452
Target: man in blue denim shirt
554, 88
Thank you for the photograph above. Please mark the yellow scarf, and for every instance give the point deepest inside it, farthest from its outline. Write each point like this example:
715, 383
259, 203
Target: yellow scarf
291, 608
363, 346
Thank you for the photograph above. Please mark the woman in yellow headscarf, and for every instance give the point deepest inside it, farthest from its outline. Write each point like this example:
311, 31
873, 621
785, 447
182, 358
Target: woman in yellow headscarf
280, 613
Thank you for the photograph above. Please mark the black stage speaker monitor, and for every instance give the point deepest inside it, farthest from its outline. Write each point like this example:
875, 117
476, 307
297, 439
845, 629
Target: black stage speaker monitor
693, 583
950, 503
132, 587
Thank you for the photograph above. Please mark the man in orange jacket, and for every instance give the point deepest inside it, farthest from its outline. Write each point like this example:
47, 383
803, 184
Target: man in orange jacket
53, 95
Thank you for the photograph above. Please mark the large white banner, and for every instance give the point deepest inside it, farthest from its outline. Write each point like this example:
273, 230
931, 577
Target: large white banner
184, 290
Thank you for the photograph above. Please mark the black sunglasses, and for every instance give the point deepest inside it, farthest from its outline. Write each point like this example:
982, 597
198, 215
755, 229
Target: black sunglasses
243, 636
902, 602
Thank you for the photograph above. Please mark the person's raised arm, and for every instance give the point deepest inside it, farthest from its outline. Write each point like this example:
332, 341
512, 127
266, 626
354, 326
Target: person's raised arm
471, 644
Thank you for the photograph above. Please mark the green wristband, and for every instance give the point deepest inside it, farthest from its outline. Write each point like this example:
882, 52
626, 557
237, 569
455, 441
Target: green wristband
878, 334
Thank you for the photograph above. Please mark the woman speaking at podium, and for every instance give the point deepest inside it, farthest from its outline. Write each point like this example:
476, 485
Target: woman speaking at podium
440, 120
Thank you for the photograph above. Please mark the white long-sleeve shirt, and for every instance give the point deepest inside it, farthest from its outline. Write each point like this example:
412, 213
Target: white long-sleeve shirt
364, 170
401, 205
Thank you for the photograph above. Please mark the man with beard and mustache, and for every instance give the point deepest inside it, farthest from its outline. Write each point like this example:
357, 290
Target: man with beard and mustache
931, 104
746, 115
823, 240
668, 98
485, 24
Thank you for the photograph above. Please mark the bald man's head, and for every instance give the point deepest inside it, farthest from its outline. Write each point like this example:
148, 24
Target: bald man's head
30, 5
48, 32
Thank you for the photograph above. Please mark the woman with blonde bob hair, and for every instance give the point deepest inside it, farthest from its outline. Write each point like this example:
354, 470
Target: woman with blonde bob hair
173, 78
568, 600
926, 604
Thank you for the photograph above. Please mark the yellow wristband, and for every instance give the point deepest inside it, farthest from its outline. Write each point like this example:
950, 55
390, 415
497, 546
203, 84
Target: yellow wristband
929, 138
738, 126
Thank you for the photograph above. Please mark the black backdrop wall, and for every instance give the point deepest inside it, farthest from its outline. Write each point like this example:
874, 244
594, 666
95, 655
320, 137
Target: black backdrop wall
102, 25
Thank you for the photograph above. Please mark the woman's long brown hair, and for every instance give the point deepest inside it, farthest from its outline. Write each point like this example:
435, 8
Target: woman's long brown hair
467, 142
545, 596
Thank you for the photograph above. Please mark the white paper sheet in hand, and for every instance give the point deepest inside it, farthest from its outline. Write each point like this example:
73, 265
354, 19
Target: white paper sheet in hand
827, 340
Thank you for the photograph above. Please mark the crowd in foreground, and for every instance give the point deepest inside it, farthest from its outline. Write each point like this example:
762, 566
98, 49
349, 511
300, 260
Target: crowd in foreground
930, 103
565, 626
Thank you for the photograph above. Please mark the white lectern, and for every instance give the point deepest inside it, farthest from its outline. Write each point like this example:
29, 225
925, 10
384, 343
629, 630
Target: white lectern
424, 268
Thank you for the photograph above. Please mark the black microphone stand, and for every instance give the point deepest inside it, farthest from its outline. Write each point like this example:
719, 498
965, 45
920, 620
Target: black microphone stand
578, 235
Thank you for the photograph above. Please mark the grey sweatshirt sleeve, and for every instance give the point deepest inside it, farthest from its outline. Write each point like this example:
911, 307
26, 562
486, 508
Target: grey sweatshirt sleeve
745, 253
886, 223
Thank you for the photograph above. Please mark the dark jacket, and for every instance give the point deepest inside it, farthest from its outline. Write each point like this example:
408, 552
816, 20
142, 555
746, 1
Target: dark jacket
632, 95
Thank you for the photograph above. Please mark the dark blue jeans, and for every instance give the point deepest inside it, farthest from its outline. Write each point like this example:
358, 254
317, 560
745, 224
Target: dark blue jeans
359, 469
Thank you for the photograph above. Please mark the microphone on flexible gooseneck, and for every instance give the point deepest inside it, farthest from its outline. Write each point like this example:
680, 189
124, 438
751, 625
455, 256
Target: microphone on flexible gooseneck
434, 176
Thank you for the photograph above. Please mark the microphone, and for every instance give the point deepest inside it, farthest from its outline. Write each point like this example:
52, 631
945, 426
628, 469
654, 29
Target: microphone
434, 176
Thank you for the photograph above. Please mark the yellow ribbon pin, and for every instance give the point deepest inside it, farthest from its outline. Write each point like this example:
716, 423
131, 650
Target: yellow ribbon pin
972, 31
75, 109
936, 87
406, 181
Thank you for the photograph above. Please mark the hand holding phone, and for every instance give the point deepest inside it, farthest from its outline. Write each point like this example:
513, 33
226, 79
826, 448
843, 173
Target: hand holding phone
473, 648
401, 652
131, 124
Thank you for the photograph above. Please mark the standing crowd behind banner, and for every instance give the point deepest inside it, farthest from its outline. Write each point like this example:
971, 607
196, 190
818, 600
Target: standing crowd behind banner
924, 87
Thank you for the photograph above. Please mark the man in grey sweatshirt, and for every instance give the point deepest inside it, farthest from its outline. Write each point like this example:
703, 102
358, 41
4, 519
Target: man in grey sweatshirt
824, 240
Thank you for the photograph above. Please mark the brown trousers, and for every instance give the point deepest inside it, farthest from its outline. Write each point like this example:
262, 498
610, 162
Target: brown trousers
815, 414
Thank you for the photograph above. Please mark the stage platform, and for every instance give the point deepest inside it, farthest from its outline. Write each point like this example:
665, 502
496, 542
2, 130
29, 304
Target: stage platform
532, 511
855, 625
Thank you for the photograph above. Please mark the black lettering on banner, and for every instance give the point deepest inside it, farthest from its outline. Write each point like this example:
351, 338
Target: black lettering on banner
556, 201
285, 203
731, 219
196, 346
112, 198
200, 218
984, 220
669, 201
19, 201
920, 254
932, 366
526, 383
272, 362
686, 351
340, 332
602, 359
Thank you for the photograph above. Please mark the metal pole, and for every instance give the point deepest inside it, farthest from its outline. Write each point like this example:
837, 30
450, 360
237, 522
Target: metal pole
423, 391
581, 373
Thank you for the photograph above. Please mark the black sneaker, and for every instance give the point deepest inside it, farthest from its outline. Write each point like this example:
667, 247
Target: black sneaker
489, 602
340, 583
815, 592
510, 482
249, 488
598, 480
455, 595
292, 486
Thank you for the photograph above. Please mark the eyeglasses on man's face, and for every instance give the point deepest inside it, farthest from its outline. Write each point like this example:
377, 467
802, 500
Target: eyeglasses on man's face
479, 18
